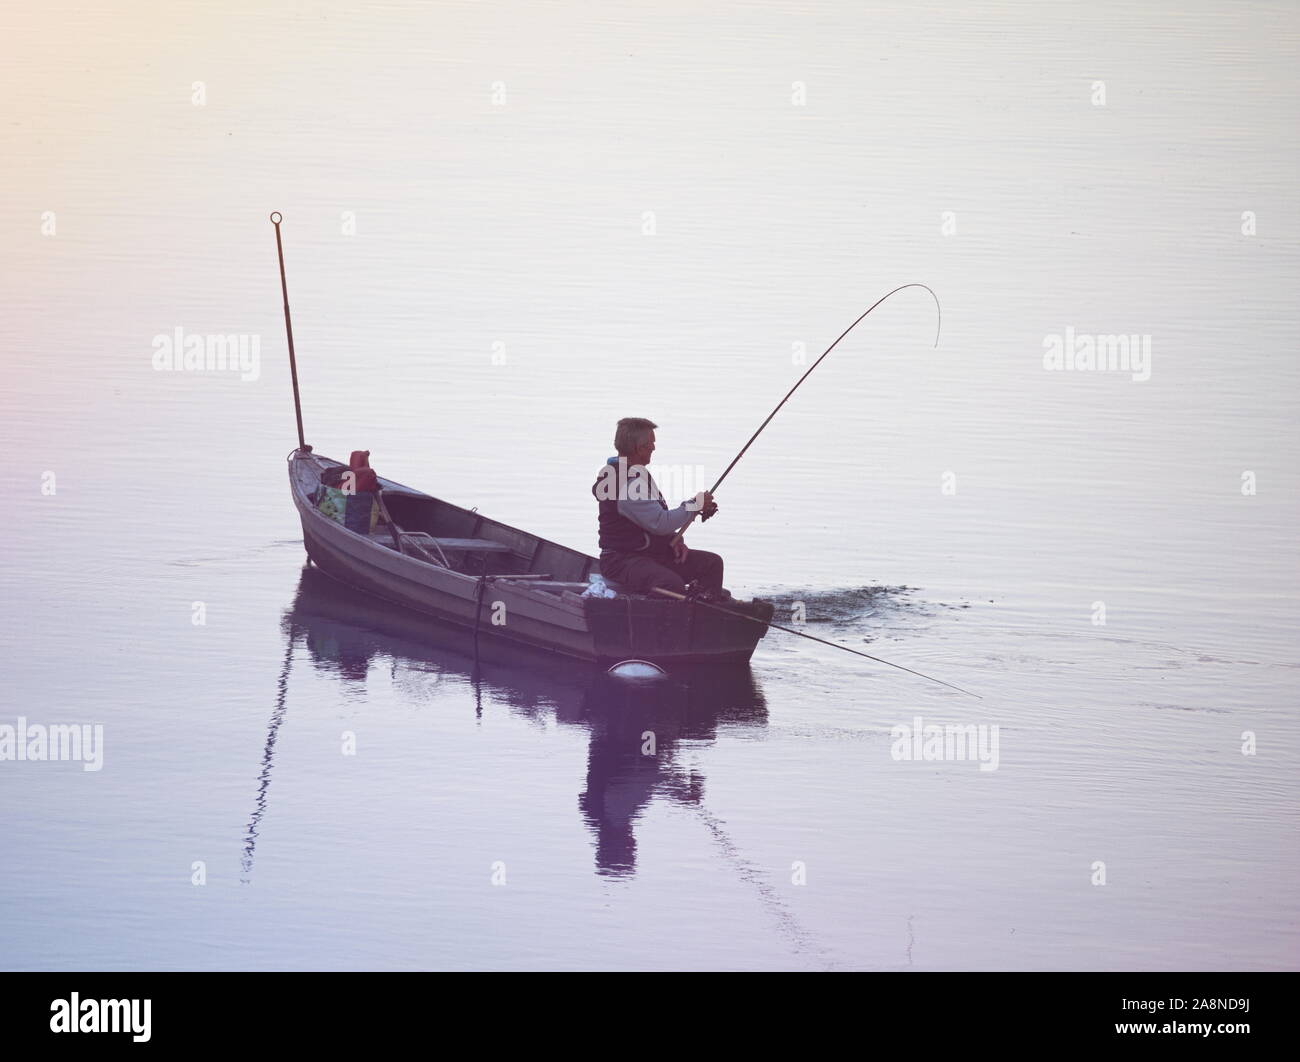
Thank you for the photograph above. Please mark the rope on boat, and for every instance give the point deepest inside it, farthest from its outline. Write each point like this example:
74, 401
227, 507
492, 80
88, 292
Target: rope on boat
478, 605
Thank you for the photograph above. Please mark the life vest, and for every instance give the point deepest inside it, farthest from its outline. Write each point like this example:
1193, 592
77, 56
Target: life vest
356, 508
618, 534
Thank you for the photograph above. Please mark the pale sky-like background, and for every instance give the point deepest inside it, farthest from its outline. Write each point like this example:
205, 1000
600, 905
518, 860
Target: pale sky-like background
500, 162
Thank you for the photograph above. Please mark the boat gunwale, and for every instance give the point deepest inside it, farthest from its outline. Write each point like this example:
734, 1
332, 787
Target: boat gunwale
303, 502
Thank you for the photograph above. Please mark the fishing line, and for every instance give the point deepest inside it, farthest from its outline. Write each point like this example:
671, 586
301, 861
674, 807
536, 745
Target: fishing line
813, 638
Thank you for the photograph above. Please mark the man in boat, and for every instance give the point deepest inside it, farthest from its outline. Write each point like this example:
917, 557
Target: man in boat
637, 527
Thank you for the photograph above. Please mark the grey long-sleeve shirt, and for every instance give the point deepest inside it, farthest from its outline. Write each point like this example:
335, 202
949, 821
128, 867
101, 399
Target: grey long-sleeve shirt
652, 514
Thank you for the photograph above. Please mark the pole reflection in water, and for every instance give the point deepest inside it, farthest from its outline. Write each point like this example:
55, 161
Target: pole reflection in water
264, 779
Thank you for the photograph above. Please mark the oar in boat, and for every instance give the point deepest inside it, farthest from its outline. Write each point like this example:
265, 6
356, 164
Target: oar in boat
810, 637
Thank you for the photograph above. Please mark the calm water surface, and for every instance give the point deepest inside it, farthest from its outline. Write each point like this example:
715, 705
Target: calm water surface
500, 304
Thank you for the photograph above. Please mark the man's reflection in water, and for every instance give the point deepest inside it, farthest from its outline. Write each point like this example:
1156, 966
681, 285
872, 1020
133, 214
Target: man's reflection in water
635, 726
636, 729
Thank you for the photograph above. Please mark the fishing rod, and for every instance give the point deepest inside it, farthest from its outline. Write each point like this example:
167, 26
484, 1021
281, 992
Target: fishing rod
714, 489
276, 218
810, 637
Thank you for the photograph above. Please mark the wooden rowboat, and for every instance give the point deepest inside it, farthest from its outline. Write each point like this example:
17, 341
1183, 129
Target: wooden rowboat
461, 567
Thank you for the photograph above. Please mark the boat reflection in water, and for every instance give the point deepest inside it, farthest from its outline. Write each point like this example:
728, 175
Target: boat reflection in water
635, 726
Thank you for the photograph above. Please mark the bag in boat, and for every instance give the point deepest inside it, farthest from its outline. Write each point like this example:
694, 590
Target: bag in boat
349, 495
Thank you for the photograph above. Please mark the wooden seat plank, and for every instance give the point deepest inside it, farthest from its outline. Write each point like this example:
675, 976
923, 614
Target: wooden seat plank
485, 545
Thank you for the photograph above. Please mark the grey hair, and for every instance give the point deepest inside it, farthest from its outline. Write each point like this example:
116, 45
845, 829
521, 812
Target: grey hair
631, 433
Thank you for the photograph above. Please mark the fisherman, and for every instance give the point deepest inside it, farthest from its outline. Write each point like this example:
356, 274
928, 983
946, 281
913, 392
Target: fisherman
637, 528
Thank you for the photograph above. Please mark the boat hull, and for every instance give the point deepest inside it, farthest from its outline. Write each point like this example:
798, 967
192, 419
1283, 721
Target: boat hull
602, 630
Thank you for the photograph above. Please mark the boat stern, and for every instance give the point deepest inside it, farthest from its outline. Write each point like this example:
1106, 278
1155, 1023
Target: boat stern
633, 626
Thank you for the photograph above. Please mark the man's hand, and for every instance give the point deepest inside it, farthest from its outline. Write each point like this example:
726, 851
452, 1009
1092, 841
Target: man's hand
680, 551
703, 504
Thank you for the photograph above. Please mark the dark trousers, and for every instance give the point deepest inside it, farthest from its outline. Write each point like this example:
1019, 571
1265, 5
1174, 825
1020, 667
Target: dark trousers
640, 574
